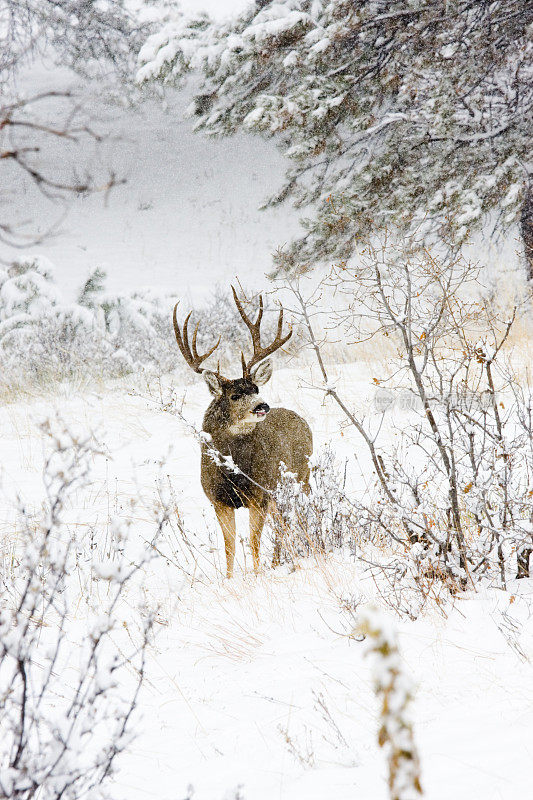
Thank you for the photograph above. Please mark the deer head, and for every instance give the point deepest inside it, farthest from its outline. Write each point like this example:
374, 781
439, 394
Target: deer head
237, 406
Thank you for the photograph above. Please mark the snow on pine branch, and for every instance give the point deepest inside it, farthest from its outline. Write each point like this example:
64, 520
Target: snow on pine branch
364, 97
168, 54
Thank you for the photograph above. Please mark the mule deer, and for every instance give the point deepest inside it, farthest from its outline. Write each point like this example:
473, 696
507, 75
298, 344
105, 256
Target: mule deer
239, 424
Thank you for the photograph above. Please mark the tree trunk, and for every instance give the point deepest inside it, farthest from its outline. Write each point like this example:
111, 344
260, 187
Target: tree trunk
526, 228
523, 563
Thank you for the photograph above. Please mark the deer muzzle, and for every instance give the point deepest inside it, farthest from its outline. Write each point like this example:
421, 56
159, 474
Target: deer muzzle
261, 410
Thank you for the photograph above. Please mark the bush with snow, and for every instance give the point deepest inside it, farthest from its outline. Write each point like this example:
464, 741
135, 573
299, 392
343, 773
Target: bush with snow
317, 521
453, 485
44, 338
70, 670
41, 335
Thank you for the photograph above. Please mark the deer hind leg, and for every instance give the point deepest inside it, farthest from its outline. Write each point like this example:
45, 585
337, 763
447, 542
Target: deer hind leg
257, 520
226, 520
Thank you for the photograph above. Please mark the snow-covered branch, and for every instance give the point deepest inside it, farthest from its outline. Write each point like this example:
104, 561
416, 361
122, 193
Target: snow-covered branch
394, 691
62, 729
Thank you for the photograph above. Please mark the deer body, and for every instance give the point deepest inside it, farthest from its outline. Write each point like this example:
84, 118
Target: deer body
240, 425
283, 437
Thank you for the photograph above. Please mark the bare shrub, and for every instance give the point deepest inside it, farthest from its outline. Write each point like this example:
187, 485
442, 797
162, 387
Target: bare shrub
316, 522
69, 684
454, 497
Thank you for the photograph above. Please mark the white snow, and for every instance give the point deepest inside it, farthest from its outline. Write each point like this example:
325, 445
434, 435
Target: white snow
240, 670
187, 217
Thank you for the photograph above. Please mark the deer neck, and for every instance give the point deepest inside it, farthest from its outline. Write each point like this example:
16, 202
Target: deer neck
229, 439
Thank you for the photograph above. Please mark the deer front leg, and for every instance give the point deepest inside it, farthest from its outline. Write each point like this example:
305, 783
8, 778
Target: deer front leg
226, 520
257, 520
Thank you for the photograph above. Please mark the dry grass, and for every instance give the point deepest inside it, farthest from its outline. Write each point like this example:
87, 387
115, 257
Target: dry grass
50, 384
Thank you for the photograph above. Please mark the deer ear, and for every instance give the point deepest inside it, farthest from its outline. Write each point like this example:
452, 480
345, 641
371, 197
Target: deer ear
213, 383
262, 373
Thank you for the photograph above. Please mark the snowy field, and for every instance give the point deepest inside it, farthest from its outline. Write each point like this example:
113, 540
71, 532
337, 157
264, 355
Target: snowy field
256, 688
187, 212
256, 682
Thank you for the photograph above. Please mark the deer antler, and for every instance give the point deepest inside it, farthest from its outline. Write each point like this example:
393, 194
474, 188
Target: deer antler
255, 330
189, 352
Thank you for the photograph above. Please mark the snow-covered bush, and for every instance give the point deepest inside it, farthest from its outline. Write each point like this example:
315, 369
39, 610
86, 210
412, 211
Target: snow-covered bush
454, 483
138, 326
313, 522
70, 673
394, 691
44, 338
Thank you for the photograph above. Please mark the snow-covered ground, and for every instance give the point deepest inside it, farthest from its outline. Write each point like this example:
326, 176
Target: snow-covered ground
256, 682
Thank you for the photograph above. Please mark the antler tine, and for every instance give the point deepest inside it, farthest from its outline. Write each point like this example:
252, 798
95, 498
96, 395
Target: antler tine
193, 345
184, 351
279, 340
209, 352
255, 329
260, 312
192, 357
247, 321
186, 336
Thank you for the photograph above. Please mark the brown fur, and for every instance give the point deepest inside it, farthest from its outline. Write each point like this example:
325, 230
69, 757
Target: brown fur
238, 427
282, 436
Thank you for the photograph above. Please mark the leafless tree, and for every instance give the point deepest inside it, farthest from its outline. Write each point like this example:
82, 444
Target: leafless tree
24, 127
40, 132
456, 493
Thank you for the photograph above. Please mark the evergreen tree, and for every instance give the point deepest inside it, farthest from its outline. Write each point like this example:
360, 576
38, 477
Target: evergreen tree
93, 288
412, 113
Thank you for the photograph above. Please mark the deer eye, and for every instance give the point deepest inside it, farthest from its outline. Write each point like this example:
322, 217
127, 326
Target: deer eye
234, 396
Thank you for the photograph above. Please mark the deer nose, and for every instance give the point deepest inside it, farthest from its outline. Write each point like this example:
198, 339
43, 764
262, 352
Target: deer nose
261, 409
